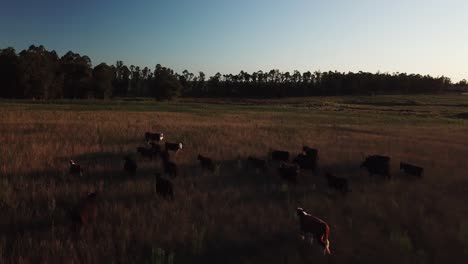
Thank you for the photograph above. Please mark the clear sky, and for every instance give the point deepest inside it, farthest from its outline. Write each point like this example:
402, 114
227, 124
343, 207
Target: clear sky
414, 36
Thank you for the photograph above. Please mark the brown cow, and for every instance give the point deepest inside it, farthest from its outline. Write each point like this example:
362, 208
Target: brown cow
316, 227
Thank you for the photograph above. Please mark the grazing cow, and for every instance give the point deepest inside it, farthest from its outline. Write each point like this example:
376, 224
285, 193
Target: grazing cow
170, 168
84, 212
130, 165
289, 172
175, 147
316, 227
306, 162
412, 169
279, 155
310, 152
150, 136
164, 187
75, 169
257, 164
377, 164
341, 184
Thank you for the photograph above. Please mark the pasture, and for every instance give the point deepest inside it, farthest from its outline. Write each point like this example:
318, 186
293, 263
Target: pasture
236, 215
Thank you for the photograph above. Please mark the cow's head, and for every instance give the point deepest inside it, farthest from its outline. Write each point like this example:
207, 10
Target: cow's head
300, 211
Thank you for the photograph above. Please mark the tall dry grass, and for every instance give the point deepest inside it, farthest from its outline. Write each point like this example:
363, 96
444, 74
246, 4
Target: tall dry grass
236, 216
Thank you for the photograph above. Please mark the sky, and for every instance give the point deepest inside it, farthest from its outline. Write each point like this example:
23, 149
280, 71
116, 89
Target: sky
413, 36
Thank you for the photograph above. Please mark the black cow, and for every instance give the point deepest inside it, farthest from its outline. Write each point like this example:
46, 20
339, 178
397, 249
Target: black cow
280, 155
340, 184
170, 167
412, 169
377, 164
257, 164
130, 165
150, 136
164, 187
306, 162
288, 172
146, 152
310, 152
156, 148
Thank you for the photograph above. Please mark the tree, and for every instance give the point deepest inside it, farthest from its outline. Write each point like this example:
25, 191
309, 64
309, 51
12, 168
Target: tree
103, 75
10, 74
166, 85
41, 75
77, 75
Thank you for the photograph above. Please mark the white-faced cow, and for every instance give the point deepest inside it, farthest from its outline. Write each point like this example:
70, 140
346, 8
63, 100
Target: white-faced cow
174, 147
150, 136
75, 169
316, 228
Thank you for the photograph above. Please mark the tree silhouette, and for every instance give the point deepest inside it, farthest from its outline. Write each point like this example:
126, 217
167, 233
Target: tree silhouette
38, 73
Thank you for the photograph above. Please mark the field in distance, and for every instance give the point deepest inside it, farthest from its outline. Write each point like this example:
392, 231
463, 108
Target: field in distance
236, 215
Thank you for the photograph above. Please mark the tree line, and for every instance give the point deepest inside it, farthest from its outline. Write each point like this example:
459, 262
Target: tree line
42, 74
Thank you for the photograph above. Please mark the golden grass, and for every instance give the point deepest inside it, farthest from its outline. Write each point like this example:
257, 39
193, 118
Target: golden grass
237, 216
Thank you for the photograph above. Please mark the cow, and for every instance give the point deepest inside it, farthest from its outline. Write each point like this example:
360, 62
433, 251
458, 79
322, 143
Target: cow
75, 169
150, 136
84, 212
279, 155
288, 172
146, 152
156, 149
410, 169
170, 167
206, 163
377, 164
130, 165
306, 162
310, 152
164, 187
315, 227
340, 184
175, 147
257, 164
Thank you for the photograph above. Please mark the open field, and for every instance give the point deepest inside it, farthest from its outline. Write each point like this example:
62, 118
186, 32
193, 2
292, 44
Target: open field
236, 216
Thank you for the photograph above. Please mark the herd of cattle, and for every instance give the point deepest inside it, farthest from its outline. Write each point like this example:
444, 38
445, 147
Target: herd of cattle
312, 228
